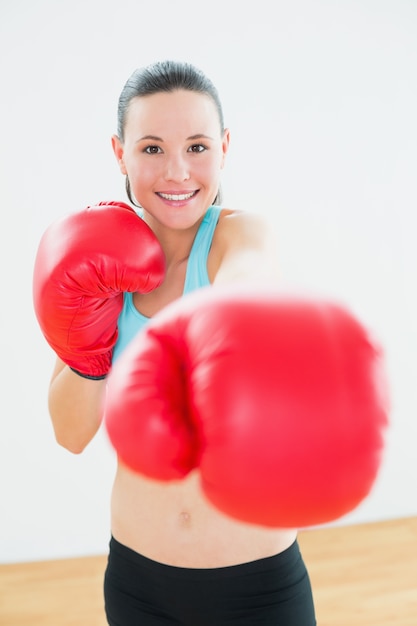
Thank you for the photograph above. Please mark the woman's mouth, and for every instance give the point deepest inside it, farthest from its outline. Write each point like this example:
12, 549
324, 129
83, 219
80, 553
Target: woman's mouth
176, 197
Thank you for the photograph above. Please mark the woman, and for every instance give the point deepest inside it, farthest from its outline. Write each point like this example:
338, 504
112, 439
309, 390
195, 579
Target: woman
174, 558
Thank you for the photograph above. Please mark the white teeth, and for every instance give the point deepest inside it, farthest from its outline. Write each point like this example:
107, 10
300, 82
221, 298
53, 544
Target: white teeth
176, 197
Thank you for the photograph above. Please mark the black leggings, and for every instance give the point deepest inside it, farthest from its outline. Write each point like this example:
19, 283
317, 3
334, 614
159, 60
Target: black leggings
274, 591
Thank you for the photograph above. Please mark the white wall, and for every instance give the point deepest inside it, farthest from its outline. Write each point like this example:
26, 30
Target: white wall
321, 99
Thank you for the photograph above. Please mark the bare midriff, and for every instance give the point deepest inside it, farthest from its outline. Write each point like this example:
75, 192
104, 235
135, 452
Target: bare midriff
173, 523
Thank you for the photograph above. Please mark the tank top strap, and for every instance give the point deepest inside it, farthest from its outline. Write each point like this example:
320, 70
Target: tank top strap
196, 274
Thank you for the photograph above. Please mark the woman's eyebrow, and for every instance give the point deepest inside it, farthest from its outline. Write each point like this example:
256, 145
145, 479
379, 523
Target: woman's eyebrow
198, 136
152, 137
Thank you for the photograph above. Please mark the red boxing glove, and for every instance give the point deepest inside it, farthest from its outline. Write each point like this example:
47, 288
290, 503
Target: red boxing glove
83, 265
277, 401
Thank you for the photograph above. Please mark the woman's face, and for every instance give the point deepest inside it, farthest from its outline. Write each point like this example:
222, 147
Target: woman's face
173, 152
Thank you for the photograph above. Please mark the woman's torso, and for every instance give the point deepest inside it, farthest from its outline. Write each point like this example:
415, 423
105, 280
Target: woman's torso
173, 522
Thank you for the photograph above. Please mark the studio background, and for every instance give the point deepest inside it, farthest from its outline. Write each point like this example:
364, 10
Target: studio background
321, 100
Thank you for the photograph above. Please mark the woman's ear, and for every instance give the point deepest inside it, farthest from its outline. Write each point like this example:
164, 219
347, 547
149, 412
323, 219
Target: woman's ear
225, 145
118, 152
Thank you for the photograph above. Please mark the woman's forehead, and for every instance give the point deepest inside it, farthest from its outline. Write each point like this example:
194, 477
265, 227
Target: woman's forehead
164, 109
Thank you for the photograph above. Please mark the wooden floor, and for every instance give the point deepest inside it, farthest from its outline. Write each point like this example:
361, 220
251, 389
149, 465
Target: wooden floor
362, 575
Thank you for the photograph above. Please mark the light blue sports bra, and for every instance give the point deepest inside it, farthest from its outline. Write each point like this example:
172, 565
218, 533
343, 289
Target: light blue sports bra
131, 321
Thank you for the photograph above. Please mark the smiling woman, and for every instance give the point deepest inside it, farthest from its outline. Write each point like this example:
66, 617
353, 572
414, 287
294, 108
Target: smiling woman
217, 453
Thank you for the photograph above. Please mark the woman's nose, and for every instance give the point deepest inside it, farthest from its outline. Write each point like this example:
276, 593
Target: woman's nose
177, 169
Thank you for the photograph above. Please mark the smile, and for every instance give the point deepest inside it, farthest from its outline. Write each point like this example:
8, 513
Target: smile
177, 197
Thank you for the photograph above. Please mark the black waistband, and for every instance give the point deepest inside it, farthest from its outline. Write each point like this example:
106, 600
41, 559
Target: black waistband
283, 560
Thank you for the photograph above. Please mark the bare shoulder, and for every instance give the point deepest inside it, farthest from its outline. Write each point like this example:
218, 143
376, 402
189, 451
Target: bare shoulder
237, 224
241, 229
243, 243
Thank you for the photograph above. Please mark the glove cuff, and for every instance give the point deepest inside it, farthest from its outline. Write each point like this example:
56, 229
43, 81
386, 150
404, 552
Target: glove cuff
89, 376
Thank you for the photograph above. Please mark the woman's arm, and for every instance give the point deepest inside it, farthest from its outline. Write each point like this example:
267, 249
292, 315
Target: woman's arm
75, 406
85, 261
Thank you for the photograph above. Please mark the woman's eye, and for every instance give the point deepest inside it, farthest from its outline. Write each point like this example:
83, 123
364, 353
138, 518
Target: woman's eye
198, 147
152, 149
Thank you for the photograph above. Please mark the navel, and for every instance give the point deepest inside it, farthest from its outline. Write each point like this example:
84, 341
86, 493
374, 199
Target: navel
185, 519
